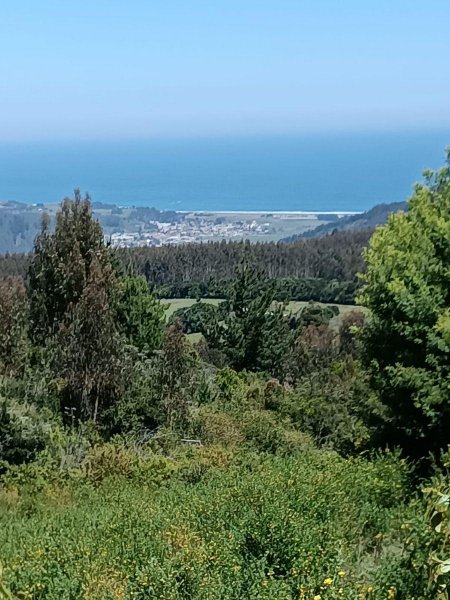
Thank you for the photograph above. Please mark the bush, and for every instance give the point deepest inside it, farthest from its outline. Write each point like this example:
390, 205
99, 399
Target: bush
349, 333
201, 317
231, 387
268, 527
213, 426
435, 540
264, 432
316, 314
196, 462
109, 460
24, 431
314, 350
337, 407
118, 459
138, 407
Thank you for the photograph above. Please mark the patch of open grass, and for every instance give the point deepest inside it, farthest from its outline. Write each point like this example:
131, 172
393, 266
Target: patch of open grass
294, 306
176, 303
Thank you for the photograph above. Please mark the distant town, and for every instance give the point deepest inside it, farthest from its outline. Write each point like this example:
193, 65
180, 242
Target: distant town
134, 226
199, 227
187, 231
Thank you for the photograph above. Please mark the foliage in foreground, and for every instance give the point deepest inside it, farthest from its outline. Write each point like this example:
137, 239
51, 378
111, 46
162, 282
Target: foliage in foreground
310, 526
407, 342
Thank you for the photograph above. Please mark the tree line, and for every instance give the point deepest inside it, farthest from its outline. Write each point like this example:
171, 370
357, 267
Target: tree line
336, 257
323, 270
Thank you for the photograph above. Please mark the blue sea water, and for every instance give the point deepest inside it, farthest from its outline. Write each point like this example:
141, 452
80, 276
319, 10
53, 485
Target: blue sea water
339, 172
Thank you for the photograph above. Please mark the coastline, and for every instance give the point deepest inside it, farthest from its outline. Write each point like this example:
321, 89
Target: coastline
201, 212
305, 213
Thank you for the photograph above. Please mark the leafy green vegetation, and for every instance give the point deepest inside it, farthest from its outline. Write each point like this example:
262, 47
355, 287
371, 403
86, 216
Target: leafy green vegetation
407, 288
210, 526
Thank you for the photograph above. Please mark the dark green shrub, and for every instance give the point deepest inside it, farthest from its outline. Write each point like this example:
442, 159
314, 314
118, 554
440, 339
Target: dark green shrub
337, 407
201, 317
24, 431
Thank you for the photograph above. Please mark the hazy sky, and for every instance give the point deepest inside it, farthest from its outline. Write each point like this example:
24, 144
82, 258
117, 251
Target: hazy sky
143, 68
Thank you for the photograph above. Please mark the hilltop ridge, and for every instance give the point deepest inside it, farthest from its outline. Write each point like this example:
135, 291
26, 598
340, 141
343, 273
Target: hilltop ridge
378, 215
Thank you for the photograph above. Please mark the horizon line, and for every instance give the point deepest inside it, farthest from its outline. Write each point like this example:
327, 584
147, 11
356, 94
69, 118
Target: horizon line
224, 135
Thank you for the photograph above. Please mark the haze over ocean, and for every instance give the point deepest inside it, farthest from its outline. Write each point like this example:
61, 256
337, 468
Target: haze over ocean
320, 172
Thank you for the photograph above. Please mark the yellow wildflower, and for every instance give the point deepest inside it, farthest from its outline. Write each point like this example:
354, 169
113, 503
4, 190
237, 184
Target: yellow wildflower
327, 581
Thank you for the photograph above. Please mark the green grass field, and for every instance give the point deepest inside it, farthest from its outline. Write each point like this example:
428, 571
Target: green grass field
176, 303
293, 306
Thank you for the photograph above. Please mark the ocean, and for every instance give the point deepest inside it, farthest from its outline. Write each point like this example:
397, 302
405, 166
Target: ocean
339, 172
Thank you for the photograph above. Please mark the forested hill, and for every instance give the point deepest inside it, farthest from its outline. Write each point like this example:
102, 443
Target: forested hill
321, 269
336, 256
378, 215
330, 262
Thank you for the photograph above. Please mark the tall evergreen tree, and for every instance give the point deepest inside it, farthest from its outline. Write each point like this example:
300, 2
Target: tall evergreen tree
62, 263
274, 354
176, 376
247, 307
254, 334
73, 292
87, 351
140, 315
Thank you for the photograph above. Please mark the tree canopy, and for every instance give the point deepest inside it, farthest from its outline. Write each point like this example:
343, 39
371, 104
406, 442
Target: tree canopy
407, 341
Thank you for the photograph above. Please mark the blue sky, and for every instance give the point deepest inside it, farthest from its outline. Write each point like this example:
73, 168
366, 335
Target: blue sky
111, 69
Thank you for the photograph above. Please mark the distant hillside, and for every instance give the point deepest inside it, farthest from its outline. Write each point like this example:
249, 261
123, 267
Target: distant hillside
367, 220
19, 222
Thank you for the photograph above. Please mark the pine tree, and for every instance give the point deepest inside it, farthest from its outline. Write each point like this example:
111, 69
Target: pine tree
247, 307
140, 315
255, 334
61, 265
274, 354
73, 292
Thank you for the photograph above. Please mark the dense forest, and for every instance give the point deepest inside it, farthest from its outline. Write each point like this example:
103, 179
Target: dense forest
336, 256
322, 269
274, 456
